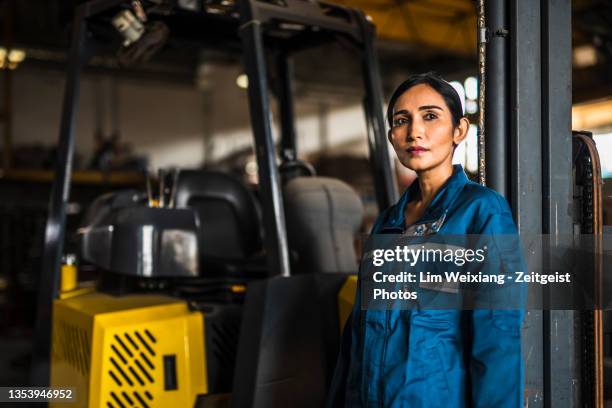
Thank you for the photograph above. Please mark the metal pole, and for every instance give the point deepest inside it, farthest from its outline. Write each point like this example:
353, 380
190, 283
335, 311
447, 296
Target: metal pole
526, 172
384, 178
562, 368
56, 220
496, 95
273, 211
288, 143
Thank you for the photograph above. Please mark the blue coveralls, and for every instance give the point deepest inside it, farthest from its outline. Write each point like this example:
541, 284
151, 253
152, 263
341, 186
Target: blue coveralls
435, 358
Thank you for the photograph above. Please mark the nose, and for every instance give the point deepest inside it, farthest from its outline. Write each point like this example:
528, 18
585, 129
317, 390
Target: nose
415, 131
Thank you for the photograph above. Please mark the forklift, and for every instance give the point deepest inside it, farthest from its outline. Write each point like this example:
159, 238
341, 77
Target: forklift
169, 324
194, 305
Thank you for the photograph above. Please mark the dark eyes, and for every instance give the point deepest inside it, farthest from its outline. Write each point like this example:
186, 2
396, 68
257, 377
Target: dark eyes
403, 121
400, 121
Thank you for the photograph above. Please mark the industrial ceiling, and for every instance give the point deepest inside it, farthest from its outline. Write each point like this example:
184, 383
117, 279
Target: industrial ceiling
414, 36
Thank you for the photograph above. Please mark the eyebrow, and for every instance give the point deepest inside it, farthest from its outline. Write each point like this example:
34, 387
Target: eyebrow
421, 108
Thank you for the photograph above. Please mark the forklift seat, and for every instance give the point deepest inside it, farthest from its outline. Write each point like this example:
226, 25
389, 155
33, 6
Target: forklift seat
227, 213
323, 217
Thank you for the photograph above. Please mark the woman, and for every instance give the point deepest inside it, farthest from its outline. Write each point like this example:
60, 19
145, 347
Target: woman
432, 358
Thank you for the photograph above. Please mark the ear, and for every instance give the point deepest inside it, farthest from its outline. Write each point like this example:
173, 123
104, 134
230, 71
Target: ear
461, 131
389, 137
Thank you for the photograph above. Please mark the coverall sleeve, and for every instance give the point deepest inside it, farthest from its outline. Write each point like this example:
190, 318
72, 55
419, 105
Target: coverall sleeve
496, 361
349, 357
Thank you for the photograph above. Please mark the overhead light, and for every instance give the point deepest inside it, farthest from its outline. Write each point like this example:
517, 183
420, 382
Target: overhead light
11, 58
242, 81
250, 168
585, 56
16, 56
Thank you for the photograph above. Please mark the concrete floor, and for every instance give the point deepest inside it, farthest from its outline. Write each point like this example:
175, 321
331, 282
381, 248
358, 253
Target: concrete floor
14, 359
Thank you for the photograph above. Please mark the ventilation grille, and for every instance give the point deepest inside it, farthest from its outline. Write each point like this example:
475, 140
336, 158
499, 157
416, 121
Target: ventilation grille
71, 344
133, 369
225, 342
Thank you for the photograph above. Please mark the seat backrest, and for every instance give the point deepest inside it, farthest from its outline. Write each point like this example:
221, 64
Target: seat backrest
291, 169
228, 217
323, 217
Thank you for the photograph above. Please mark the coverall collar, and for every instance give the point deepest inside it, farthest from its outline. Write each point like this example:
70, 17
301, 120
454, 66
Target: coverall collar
441, 202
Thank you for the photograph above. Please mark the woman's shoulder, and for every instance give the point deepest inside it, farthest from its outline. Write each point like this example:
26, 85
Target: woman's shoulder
485, 199
487, 210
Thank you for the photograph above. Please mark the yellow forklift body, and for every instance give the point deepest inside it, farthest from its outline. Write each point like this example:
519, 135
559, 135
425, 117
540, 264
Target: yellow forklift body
133, 350
346, 298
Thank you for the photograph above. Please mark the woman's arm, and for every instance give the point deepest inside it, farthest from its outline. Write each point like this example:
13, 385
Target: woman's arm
348, 366
496, 363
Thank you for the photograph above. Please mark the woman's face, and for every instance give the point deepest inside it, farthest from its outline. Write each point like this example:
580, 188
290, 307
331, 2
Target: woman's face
423, 133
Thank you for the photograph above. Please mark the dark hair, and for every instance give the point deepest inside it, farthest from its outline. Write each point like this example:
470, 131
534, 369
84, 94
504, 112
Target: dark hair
450, 95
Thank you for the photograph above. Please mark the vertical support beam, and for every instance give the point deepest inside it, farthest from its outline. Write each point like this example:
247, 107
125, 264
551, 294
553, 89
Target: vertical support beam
384, 178
259, 105
562, 367
496, 96
288, 143
6, 115
56, 220
323, 121
245, 392
526, 170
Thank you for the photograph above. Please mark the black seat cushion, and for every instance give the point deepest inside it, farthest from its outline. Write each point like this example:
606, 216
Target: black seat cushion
228, 218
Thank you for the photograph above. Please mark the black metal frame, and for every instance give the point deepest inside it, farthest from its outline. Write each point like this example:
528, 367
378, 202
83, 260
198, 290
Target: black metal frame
288, 143
55, 230
255, 18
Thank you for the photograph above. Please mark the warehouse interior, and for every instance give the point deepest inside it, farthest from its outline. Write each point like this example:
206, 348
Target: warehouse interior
191, 99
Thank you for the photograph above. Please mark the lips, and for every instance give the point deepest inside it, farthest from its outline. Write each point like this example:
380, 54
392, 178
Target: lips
416, 150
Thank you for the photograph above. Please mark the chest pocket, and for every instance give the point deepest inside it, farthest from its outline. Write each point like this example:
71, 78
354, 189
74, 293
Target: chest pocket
426, 228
